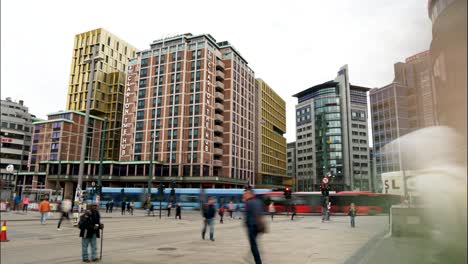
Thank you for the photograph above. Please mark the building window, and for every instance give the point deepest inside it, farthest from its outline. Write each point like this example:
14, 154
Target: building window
140, 115
139, 125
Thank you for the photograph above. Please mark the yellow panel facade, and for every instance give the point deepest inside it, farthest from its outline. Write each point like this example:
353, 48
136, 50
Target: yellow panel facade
272, 143
109, 80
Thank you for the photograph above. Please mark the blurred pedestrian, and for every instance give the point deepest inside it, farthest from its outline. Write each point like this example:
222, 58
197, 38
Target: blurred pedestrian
107, 207
254, 221
111, 206
65, 209
25, 204
328, 210
352, 214
169, 206
123, 205
178, 211
132, 206
324, 210
128, 207
221, 213
272, 210
208, 218
293, 209
230, 208
90, 224
237, 211
44, 208
16, 202
151, 209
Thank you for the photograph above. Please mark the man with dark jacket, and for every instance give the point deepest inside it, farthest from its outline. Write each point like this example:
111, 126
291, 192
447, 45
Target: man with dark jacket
89, 225
208, 218
253, 214
123, 205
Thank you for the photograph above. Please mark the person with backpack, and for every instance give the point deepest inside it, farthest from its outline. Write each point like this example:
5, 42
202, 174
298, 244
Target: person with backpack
90, 224
221, 213
352, 214
253, 221
65, 209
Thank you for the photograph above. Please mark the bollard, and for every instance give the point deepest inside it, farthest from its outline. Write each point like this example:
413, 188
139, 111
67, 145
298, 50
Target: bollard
3, 235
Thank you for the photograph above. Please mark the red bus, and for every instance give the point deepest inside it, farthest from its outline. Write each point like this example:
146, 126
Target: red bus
366, 203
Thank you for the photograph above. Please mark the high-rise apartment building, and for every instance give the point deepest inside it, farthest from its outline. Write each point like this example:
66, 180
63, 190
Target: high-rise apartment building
291, 165
15, 142
58, 140
331, 135
193, 99
108, 83
272, 143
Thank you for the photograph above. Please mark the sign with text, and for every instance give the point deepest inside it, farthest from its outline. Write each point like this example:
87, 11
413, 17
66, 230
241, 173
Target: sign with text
128, 117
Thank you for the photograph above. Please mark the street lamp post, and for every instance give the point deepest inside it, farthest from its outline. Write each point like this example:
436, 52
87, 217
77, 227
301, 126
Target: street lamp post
84, 141
101, 154
150, 173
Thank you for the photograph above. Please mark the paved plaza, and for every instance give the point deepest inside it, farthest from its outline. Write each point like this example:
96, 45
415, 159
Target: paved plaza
142, 239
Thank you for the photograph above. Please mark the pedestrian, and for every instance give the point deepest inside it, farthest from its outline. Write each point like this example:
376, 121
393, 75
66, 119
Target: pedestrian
237, 211
16, 202
90, 224
271, 209
293, 209
324, 210
65, 208
151, 209
352, 214
169, 206
44, 208
178, 211
132, 206
328, 210
230, 208
123, 205
25, 204
221, 213
107, 207
111, 206
128, 207
208, 218
253, 221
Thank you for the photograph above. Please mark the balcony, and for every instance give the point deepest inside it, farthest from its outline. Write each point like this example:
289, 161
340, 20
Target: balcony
219, 85
218, 140
219, 95
217, 163
219, 75
218, 151
218, 128
219, 117
219, 106
220, 65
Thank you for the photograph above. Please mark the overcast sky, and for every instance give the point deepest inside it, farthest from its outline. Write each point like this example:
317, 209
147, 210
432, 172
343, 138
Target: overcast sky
292, 45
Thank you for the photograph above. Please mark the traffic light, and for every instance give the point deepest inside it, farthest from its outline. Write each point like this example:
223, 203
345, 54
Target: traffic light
172, 193
161, 190
287, 193
99, 190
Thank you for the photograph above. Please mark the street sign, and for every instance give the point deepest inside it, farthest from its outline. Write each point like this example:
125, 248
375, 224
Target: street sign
324, 180
10, 168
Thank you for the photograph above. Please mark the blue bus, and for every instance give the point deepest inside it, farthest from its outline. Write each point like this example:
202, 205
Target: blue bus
189, 198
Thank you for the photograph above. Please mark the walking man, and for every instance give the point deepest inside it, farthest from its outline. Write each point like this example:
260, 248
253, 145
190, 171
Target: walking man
352, 214
230, 208
178, 211
107, 207
90, 223
272, 210
44, 208
16, 202
111, 206
208, 218
169, 206
65, 208
123, 205
293, 209
132, 206
253, 221
25, 204
151, 209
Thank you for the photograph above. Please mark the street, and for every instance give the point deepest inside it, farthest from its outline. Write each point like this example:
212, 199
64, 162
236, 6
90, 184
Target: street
142, 239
